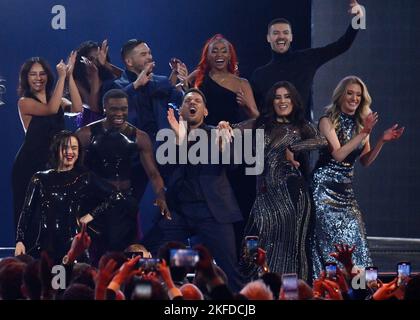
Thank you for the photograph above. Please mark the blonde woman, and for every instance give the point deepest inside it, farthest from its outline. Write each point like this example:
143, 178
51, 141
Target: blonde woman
346, 124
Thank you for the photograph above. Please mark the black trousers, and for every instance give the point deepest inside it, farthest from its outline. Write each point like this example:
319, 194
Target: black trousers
195, 219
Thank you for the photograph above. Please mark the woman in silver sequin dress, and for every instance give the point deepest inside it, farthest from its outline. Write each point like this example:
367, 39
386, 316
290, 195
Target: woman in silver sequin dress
281, 211
346, 125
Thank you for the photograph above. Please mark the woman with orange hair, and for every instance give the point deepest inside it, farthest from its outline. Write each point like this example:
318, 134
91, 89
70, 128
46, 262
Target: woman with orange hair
229, 97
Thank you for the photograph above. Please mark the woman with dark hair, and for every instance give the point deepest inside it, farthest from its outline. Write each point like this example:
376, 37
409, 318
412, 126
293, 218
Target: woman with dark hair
281, 211
91, 69
57, 200
346, 125
41, 111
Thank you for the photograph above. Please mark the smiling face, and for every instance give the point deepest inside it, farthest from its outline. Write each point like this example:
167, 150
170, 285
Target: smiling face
218, 55
116, 112
137, 59
37, 78
69, 153
351, 98
282, 103
280, 37
193, 109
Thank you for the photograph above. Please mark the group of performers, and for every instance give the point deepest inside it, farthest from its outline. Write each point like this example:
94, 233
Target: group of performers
92, 174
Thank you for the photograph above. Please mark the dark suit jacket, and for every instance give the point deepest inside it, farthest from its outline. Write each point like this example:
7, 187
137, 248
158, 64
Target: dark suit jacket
148, 105
215, 187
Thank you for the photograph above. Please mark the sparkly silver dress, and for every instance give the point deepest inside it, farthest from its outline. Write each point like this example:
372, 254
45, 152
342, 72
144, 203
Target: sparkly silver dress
281, 211
338, 219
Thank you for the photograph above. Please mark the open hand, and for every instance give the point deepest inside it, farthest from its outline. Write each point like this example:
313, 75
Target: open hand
392, 133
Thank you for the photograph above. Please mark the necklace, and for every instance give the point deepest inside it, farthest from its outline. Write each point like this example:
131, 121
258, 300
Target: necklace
220, 78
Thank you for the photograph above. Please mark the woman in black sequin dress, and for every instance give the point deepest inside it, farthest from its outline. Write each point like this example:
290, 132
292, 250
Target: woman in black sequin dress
41, 111
56, 199
346, 125
281, 211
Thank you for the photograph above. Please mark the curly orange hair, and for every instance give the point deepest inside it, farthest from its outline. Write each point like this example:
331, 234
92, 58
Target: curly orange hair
203, 66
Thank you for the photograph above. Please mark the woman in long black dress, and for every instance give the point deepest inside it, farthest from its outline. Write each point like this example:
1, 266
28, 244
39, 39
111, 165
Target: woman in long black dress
281, 211
57, 200
41, 110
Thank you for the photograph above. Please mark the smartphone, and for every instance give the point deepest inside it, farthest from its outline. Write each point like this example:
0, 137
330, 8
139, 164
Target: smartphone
142, 291
371, 274
251, 243
290, 286
331, 270
148, 264
403, 272
132, 254
183, 257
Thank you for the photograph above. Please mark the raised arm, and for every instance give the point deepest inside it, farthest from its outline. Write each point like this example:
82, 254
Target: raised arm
32, 107
391, 134
324, 54
91, 97
76, 100
179, 74
149, 165
338, 151
102, 59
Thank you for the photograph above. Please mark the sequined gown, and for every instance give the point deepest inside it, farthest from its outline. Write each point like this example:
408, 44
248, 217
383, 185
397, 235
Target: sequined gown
337, 215
281, 211
54, 200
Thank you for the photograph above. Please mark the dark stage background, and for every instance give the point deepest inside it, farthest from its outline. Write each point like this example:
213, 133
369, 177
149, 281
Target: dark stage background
383, 55
386, 56
172, 28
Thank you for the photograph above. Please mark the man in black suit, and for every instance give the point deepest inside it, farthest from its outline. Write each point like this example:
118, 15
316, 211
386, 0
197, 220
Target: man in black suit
200, 197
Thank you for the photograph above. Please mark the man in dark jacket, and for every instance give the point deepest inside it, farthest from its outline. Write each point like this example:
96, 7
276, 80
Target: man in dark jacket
199, 194
297, 67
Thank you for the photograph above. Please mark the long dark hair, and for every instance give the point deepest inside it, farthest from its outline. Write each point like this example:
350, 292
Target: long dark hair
80, 68
58, 143
269, 116
24, 89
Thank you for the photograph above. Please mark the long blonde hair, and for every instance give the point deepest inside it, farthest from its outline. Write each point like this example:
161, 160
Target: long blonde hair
333, 110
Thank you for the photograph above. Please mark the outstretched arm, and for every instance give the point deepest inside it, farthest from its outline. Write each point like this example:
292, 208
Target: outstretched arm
314, 140
391, 134
149, 164
325, 54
